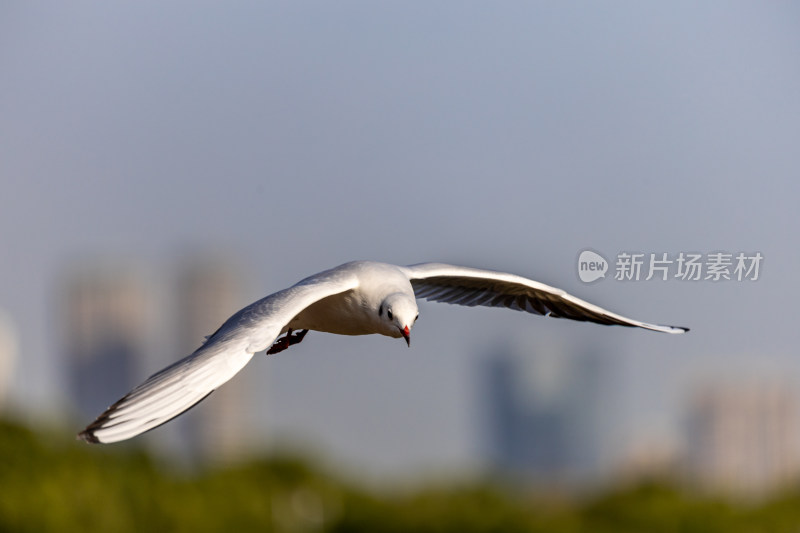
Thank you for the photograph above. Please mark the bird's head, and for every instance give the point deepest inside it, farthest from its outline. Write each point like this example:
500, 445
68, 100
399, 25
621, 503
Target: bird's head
398, 312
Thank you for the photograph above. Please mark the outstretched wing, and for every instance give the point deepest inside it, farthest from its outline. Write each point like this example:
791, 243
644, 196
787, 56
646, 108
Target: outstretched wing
470, 286
182, 385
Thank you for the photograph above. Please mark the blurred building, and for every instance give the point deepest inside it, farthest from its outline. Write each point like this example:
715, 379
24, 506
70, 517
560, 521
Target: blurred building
8, 356
115, 337
547, 414
105, 312
744, 439
207, 292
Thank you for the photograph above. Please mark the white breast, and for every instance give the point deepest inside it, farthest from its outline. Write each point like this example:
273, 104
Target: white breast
342, 314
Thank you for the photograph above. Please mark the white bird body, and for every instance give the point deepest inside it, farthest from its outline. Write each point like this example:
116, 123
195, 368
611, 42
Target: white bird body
353, 312
357, 298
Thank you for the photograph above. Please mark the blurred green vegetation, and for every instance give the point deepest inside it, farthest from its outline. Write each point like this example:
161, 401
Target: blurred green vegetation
49, 482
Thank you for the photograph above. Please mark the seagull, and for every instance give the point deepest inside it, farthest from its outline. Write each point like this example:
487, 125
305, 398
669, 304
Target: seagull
356, 298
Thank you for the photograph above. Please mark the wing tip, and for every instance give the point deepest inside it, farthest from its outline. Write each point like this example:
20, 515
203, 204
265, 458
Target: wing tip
87, 435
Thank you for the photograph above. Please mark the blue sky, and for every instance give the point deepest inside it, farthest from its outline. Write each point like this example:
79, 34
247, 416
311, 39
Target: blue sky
297, 136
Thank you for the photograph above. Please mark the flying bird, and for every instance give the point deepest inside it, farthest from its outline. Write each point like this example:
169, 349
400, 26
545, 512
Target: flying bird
357, 298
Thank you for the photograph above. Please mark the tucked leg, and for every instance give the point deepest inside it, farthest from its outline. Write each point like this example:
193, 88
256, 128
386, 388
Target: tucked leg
297, 337
287, 340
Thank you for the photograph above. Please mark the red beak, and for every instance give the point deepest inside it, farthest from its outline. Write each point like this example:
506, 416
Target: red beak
407, 335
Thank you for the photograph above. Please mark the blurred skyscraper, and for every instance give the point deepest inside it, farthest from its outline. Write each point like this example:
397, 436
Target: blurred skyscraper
8, 356
105, 312
115, 337
547, 408
744, 439
207, 292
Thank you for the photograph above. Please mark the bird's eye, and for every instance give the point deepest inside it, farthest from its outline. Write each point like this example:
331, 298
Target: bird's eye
416, 317
389, 314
